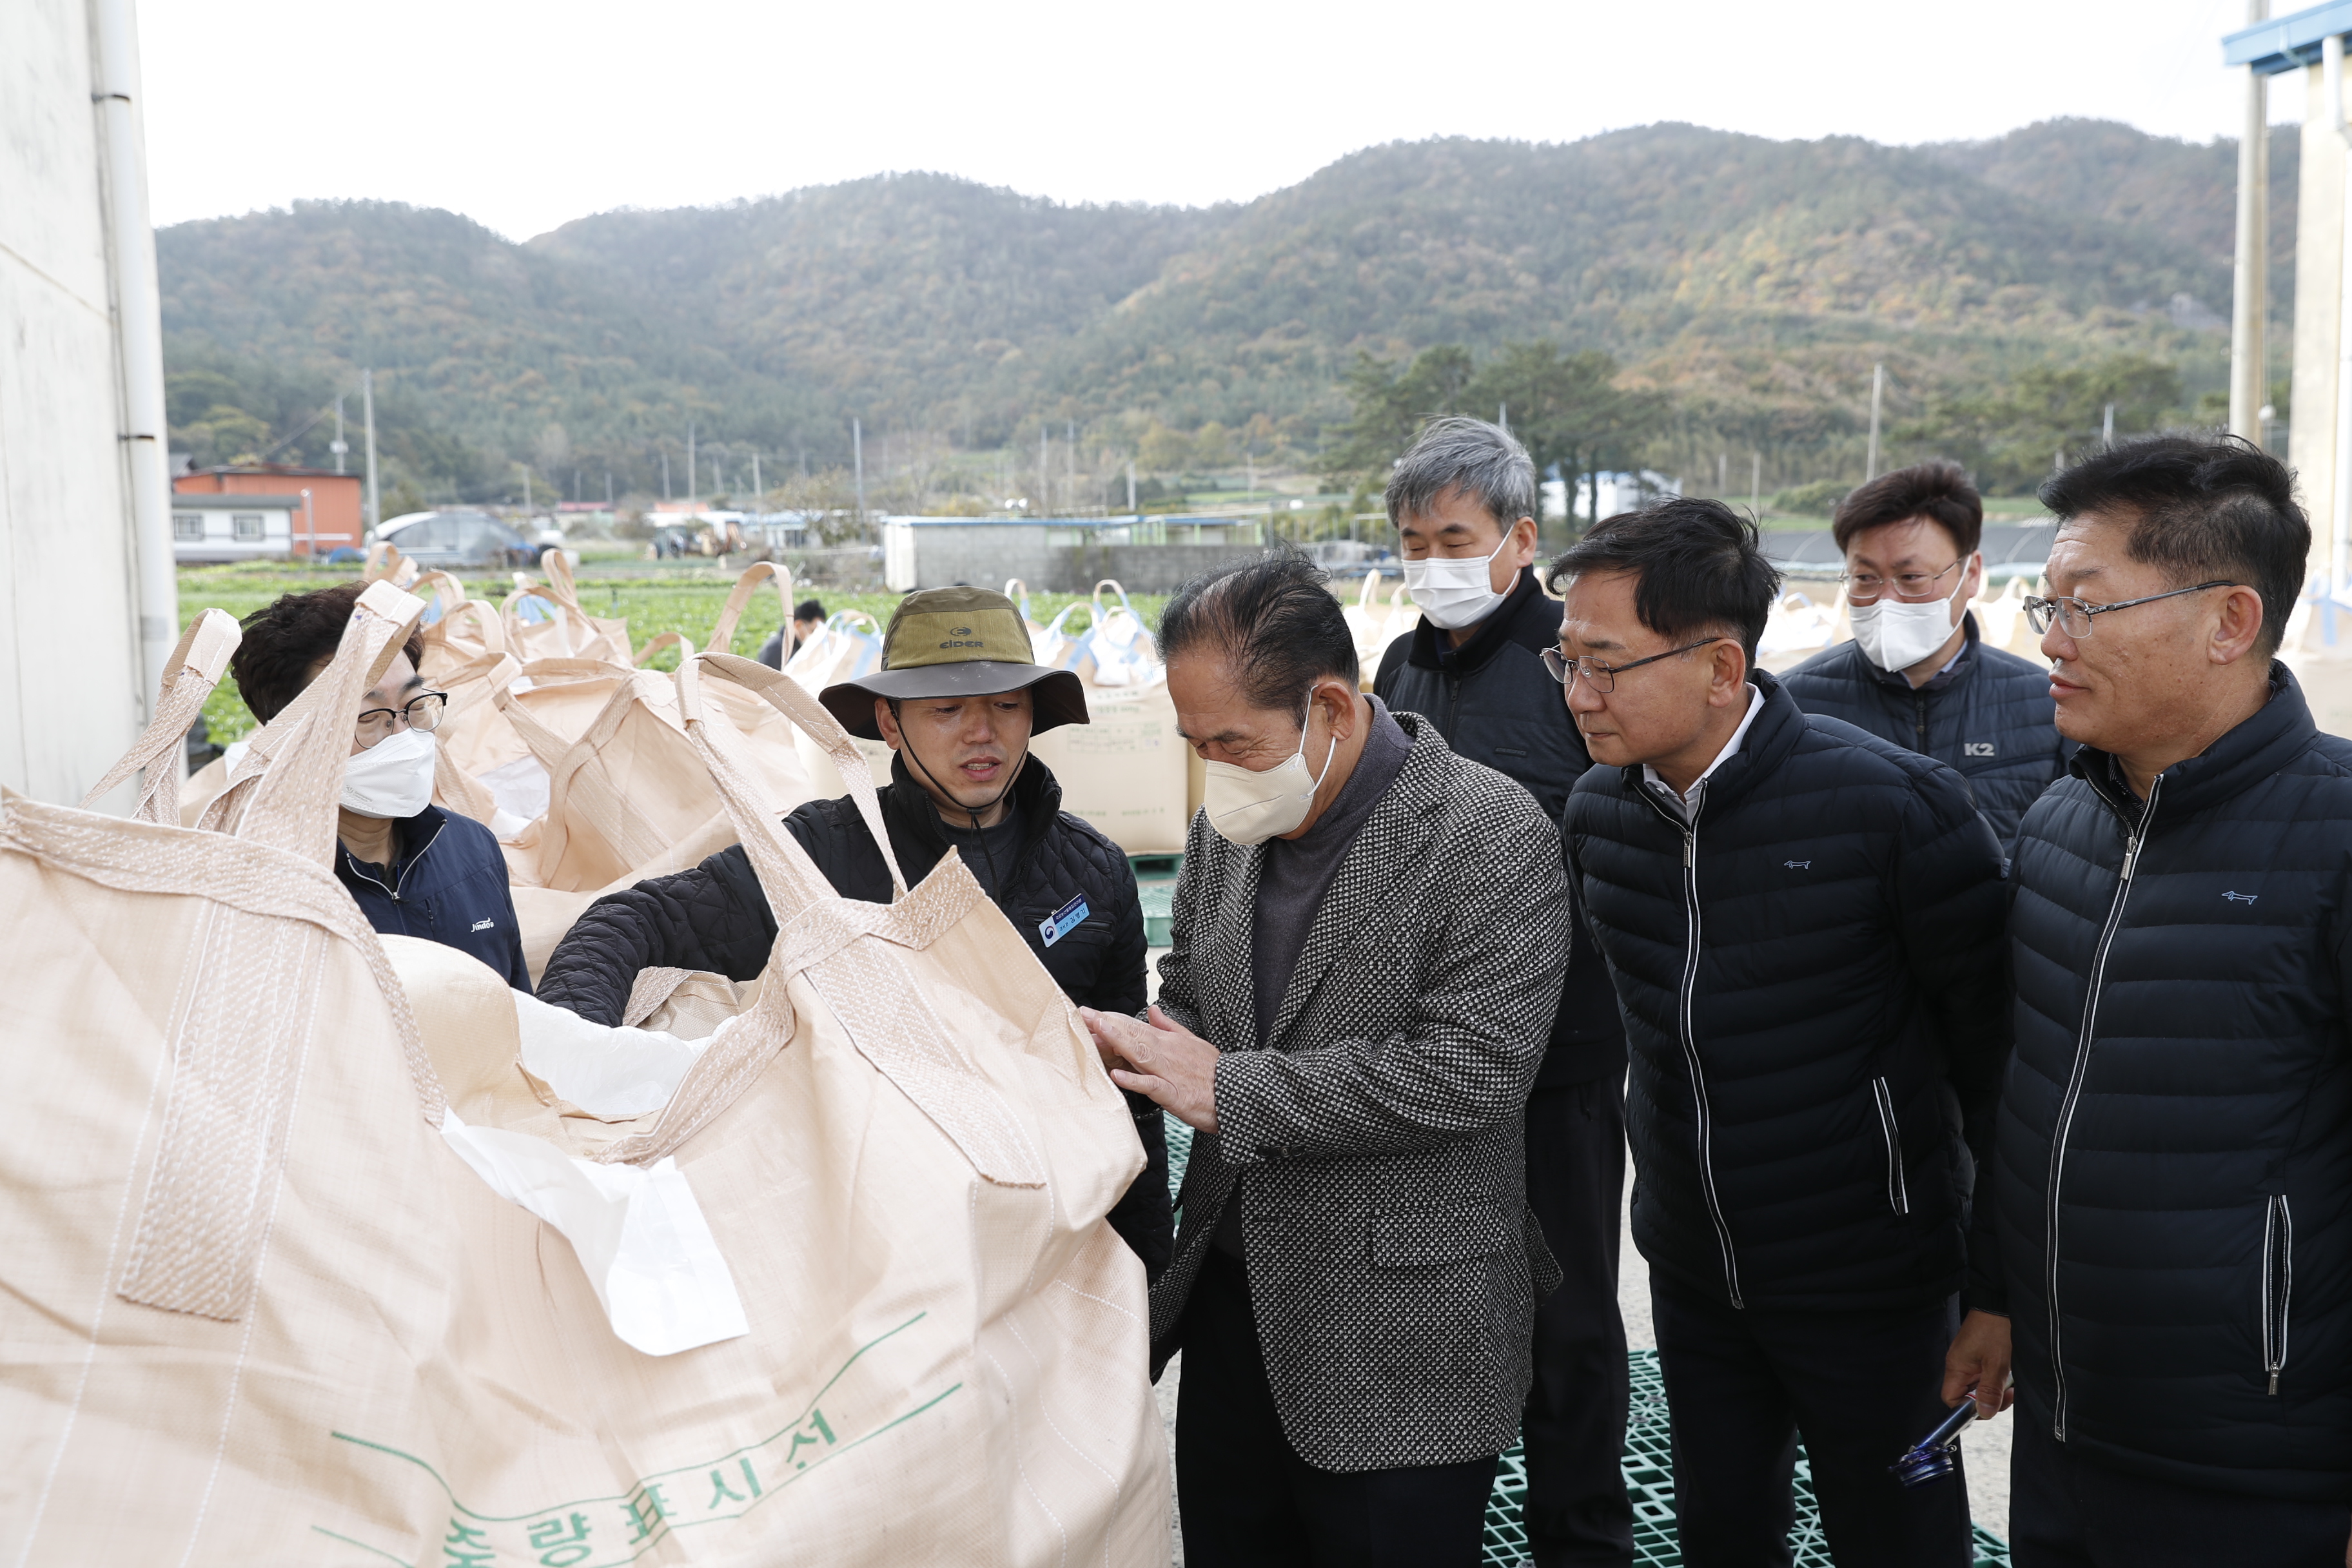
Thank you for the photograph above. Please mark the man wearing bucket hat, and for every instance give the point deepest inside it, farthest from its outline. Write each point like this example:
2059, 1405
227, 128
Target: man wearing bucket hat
958, 697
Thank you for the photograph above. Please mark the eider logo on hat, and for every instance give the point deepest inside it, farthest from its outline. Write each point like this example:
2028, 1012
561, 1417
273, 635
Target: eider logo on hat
956, 643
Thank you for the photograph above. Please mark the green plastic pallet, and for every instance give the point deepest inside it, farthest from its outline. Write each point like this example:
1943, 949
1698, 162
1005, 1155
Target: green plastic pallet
1648, 1464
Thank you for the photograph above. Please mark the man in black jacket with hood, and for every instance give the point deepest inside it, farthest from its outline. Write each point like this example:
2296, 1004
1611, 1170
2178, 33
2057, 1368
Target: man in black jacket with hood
1804, 926
2167, 1228
958, 697
1916, 673
1464, 503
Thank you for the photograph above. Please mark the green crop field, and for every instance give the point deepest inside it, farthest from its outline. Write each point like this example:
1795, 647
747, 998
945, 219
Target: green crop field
683, 599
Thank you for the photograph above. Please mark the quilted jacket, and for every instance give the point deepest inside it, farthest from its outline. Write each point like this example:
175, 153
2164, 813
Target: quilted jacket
1495, 703
1374, 1141
715, 917
1815, 1007
1991, 720
2171, 1191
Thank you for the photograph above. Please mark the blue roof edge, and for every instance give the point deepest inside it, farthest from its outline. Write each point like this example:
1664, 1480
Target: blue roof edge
2287, 43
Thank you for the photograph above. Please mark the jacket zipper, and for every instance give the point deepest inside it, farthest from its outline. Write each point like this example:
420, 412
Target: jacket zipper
1898, 1195
1919, 708
2134, 837
400, 881
1689, 827
2278, 1284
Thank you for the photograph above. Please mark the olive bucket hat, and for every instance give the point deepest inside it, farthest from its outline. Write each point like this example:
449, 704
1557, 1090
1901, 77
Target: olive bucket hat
956, 642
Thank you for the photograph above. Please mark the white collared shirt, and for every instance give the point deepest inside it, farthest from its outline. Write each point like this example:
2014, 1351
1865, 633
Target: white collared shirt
1684, 802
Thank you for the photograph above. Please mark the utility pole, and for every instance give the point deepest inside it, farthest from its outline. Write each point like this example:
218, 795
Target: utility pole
339, 447
857, 456
1130, 487
665, 452
2250, 323
527, 504
1503, 417
608, 486
1722, 472
756, 490
1755, 483
1044, 472
2107, 428
1071, 494
1877, 391
692, 489
367, 411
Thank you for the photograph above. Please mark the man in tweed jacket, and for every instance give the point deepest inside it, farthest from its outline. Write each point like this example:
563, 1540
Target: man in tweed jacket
1369, 939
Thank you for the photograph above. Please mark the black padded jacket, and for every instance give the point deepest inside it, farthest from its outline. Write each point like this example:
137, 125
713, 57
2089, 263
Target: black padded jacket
1494, 703
716, 916
1816, 1011
2170, 1197
1990, 719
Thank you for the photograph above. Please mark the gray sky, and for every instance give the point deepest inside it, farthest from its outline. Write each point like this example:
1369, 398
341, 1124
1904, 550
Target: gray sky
524, 114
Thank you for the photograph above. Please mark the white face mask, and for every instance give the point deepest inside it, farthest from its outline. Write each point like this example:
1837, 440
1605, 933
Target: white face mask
1250, 807
1896, 636
1454, 593
392, 778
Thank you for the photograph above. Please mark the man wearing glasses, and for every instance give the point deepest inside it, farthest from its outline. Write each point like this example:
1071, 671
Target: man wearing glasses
2163, 1238
1916, 673
414, 869
1804, 926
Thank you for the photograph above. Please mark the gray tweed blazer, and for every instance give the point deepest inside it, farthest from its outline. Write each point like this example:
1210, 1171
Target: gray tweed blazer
1375, 1143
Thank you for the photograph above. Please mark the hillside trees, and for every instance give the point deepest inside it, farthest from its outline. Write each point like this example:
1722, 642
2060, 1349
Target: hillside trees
2012, 435
1566, 409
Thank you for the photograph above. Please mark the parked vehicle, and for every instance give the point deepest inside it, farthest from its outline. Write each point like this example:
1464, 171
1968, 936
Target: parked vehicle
458, 537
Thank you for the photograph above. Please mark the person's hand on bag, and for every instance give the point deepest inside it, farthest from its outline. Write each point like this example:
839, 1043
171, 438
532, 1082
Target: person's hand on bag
1170, 1066
1979, 1363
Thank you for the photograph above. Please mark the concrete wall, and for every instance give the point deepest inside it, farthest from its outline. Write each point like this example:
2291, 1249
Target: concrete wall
71, 684
1143, 568
2318, 287
983, 555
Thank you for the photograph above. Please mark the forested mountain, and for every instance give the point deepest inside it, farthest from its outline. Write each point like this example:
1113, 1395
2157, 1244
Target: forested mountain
1752, 282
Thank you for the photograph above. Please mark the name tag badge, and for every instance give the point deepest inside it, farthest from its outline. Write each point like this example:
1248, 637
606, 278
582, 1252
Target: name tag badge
1064, 921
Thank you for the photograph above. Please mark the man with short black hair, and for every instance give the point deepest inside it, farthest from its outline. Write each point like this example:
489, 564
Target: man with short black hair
2167, 1226
1464, 503
807, 616
1916, 672
1803, 924
414, 869
1369, 940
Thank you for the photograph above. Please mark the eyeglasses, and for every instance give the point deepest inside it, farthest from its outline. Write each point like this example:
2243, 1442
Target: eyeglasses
1862, 587
1602, 678
2076, 614
421, 713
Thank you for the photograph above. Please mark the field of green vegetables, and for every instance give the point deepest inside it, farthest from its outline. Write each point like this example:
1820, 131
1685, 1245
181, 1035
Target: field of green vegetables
684, 599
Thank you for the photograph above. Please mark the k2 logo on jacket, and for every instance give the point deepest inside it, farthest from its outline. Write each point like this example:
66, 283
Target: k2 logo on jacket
1798, 864
2241, 898
1975, 747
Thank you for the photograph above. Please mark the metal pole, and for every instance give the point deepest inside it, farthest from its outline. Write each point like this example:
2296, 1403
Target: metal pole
692, 489
1130, 494
756, 490
2107, 427
367, 411
2250, 315
857, 455
139, 343
310, 527
340, 446
1877, 391
1044, 472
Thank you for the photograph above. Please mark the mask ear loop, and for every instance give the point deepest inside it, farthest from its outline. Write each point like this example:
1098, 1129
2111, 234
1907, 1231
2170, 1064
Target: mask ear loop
907, 744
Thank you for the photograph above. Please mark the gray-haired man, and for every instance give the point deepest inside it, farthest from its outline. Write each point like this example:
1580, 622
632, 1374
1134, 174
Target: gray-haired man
1463, 501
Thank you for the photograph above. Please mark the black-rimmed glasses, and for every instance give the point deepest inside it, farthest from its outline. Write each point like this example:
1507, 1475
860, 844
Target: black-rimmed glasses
2076, 614
1602, 678
420, 712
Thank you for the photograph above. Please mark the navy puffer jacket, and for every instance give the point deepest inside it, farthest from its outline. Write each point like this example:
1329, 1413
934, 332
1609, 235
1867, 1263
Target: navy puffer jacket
2173, 1188
1990, 719
1815, 1009
447, 883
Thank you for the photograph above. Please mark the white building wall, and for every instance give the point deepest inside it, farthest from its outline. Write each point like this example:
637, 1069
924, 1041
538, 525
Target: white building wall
70, 685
